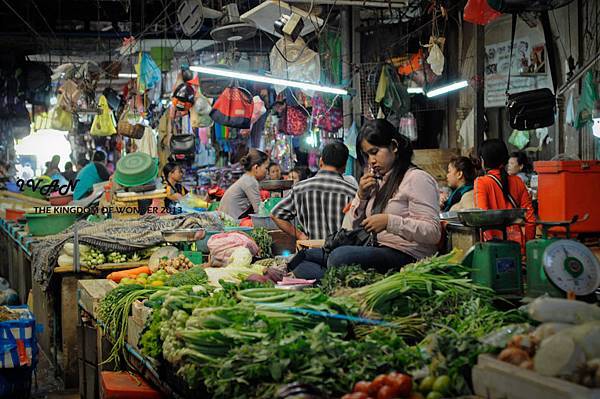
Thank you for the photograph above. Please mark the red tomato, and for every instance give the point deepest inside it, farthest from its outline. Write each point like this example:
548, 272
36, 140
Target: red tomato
376, 385
362, 386
403, 384
386, 392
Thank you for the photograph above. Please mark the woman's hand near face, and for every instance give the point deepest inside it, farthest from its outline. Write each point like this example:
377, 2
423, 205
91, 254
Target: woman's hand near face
367, 184
376, 223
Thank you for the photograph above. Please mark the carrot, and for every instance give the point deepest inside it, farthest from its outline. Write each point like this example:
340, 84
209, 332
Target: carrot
131, 273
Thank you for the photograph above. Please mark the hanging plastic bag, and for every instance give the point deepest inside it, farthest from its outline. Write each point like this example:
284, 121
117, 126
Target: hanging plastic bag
408, 126
41, 121
587, 101
60, 119
148, 73
436, 56
570, 113
104, 122
293, 59
519, 138
479, 12
391, 94
350, 140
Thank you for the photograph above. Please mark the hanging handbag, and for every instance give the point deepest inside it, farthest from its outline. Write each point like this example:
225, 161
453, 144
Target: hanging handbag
233, 108
127, 125
530, 109
183, 147
328, 118
293, 121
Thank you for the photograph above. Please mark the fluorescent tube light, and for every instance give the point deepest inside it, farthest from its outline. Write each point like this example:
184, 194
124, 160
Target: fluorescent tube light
415, 90
128, 75
447, 88
267, 79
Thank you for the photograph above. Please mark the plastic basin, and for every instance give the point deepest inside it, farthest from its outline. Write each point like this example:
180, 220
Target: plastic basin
136, 169
264, 222
41, 224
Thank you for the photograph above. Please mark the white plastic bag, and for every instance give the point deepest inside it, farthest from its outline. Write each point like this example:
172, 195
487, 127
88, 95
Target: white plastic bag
408, 126
294, 60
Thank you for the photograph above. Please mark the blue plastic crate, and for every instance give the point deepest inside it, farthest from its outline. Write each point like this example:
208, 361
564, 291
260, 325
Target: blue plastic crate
18, 342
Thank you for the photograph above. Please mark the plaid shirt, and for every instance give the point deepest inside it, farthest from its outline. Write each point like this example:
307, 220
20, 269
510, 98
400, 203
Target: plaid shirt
317, 204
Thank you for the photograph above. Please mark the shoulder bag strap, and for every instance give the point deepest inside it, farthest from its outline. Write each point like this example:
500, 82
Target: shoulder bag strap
499, 183
512, 44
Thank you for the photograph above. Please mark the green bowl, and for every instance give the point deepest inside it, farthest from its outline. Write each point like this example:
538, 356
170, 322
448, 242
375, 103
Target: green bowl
136, 169
41, 224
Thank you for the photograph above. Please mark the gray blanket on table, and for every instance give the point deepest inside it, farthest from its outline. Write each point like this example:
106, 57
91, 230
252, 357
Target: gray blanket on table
114, 235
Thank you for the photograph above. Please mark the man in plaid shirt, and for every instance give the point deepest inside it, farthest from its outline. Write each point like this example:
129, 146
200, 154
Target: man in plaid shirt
317, 203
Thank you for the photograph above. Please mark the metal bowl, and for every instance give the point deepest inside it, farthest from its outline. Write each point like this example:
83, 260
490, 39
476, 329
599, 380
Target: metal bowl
180, 235
276, 185
498, 217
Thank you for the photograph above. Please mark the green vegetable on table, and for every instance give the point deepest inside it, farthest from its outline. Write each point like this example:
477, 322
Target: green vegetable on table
264, 241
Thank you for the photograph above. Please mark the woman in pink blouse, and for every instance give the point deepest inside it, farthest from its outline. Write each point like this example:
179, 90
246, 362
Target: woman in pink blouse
396, 202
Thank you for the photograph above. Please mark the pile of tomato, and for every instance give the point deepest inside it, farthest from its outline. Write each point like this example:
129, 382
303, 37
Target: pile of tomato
385, 386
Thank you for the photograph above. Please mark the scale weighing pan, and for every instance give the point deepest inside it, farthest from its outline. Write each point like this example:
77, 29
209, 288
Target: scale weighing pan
485, 218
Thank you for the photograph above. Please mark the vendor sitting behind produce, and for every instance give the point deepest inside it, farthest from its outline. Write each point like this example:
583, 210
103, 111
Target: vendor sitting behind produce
317, 203
173, 176
396, 202
519, 165
243, 197
498, 190
461, 176
92, 173
274, 171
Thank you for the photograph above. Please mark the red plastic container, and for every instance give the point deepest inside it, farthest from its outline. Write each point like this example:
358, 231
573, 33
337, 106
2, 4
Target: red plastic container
568, 188
13, 214
124, 385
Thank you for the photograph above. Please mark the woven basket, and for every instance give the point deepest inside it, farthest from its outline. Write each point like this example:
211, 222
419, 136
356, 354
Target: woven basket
124, 128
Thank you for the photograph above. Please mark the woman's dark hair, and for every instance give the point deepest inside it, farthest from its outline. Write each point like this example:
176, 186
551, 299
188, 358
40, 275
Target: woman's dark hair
382, 133
99, 156
168, 168
273, 163
253, 157
467, 166
522, 160
494, 154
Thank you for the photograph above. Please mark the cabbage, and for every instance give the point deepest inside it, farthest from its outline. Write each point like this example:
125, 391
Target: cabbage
240, 257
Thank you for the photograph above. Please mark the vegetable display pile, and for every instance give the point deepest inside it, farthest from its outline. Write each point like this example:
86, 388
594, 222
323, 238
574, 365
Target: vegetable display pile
92, 257
230, 338
263, 239
566, 345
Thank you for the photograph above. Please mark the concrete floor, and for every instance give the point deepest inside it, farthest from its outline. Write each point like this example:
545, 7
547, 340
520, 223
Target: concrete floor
46, 386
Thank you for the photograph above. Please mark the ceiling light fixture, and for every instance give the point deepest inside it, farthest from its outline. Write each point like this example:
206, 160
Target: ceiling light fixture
128, 75
267, 79
447, 88
415, 90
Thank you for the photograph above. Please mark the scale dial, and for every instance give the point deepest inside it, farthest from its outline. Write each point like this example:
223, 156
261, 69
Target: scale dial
572, 267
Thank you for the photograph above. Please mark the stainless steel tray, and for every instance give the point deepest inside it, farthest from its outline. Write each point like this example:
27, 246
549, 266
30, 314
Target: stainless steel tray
498, 217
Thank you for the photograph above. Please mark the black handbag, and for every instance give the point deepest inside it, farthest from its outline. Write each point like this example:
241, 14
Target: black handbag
357, 237
183, 146
517, 6
530, 109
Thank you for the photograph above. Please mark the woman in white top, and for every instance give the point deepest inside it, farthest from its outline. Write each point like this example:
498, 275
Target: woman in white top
243, 197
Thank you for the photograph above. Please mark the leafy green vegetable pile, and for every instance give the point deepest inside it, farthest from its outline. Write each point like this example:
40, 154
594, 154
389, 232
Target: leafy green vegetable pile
245, 340
263, 239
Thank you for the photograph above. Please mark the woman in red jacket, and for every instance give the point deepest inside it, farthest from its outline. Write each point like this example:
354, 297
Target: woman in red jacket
497, 190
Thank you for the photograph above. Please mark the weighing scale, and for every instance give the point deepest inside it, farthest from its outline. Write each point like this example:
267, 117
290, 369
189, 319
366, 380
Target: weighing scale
560, 267
184, 239
496, 263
